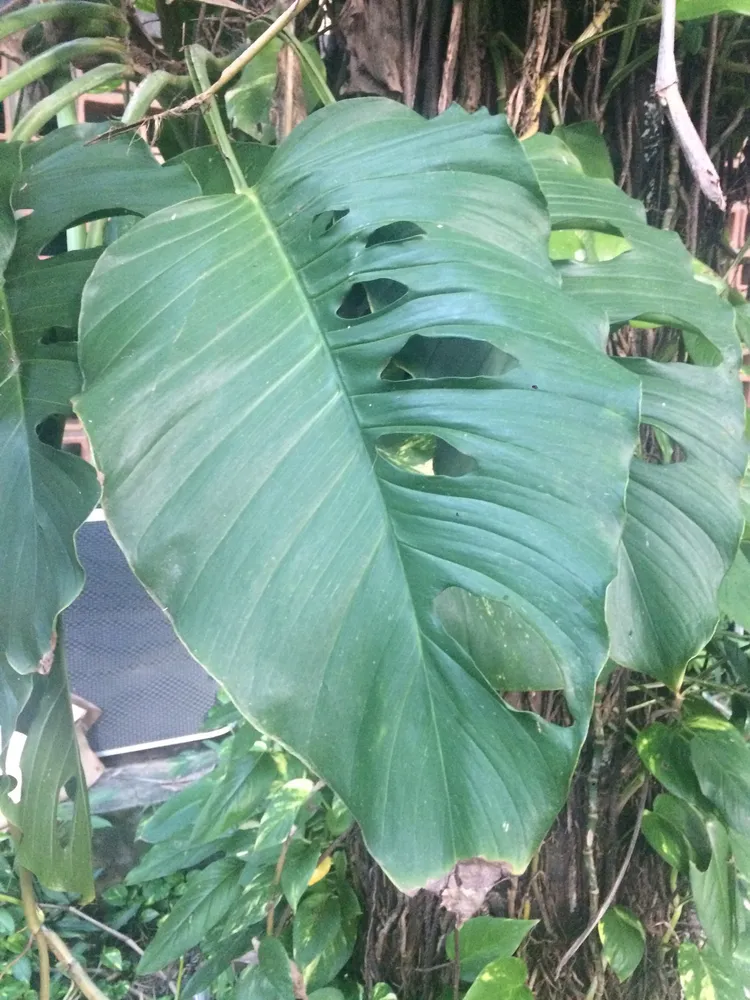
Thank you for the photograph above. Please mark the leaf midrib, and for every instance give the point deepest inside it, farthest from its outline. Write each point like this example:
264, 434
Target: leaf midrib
256, 202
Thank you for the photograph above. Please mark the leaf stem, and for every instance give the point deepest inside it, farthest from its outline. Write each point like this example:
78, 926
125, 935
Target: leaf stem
78, 10
180, 973
196, 62
146, 93
30, 912
56, 58
276, 880
35, 120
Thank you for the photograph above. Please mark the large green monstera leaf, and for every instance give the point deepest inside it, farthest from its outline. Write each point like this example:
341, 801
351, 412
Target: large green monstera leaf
46, 492
244, 394
684, 522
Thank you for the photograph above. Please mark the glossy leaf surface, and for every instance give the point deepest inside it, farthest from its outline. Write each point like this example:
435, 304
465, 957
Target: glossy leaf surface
715, 894
209, 895
482, 940
623, 941
704, 975
721, 758
239, 424
503, 979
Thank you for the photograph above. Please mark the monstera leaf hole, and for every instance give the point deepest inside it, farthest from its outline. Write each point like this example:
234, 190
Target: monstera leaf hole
656, 338
394, 232
447, 357
50, 430
658, 448
57, 245
57, 335
324, 222
513, 657
587, 246
425, 454
365, 298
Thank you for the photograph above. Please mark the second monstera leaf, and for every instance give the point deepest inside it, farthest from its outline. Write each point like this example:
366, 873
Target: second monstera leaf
245, 361
684, 521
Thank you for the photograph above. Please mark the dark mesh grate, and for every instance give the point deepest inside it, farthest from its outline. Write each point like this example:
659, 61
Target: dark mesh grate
124, 657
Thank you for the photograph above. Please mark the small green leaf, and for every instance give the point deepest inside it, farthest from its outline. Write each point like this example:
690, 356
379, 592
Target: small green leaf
741, 854
587, 142
111, 958
338, 818
623, 941
243, 783
382, 991
59, 854
281, 813
7, 923
482, 940
210, 894
331, 993
300, 863
669, 843
273, 964
164, 859
706, 976
665, 751
503, 979
721, 759
271, 978
230, 948
324, 934
715, 893
688, 10
689, 823
734, 593
248, 100
115, 895
21, 969
178, 814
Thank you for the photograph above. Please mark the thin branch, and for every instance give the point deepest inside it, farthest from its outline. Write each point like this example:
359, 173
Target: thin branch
17, 958
71, 967
245, 57
96, 923
731, 127
667, 90
736, 261
118, 935
558, 70
288, 65
592, 924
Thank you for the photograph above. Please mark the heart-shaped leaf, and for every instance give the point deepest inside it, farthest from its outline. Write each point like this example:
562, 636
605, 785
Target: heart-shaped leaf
245, 427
